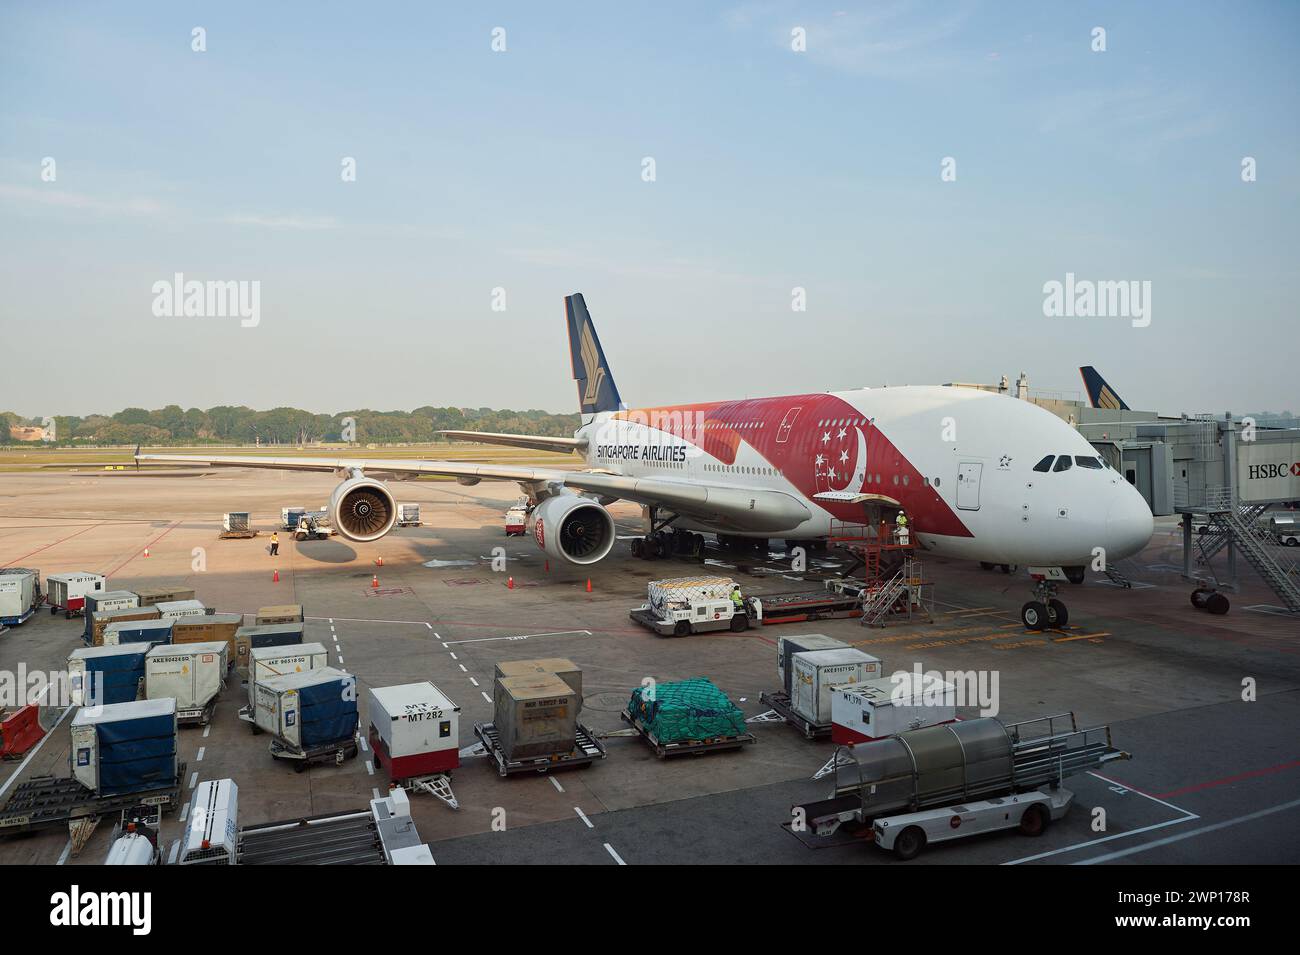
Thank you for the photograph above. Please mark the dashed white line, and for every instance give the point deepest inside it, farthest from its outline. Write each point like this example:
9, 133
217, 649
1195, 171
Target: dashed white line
583, 816
194, 779
462, 668
199, 757
364, 747
340, 658
176, 848
617, 858
556, 783
453, 656
206, 730
67, 851
370, 767
185, 811
486, 697
375, 790
474, 681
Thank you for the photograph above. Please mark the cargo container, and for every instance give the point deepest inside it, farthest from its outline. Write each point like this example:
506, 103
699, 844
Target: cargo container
151, 632
235, 521
312, 714
266, 662
289, 517
103, 675
408, 515
212, 833
111, 600
537, 716
565, 669
193, 675
816, 671
414, 730
787, 647
282, 613
214, 626
125, 747
178, 609
18, 597
878, 708
274, 635
150, 596
96, 623
67, 592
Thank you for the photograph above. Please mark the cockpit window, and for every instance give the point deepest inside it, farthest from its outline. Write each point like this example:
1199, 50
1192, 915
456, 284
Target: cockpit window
1062, 463
1094, 463
1045, 465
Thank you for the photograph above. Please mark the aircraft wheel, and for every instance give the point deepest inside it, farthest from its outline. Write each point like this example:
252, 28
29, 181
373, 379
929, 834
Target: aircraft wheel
1198, 598
1217, 604
985, 565
909, 843
1057, 613
1034, 615
638, 547
1008, 568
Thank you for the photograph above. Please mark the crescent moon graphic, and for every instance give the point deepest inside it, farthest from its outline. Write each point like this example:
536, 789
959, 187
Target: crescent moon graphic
858, 481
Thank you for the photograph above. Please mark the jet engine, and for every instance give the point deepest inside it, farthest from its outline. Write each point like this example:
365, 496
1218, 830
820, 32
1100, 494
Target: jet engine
362, 509
572, 528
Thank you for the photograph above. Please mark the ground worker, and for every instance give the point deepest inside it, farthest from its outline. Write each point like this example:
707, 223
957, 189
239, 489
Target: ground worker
275, 544
737, 599
901, 524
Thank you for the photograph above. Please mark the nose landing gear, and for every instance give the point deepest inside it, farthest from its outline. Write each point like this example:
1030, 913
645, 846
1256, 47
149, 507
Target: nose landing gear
1045, 611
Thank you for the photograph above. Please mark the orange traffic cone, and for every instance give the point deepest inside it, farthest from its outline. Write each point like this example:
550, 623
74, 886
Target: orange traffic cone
374, 582
275, 577
588, 585
379, 561
510, 583
146, 552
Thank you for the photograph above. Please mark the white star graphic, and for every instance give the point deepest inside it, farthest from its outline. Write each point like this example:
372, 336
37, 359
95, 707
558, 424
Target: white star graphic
831, 474
826, 436
842, 433
844, 457
821, 459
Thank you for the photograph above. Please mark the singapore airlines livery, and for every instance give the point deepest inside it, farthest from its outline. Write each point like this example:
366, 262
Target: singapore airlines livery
981, 476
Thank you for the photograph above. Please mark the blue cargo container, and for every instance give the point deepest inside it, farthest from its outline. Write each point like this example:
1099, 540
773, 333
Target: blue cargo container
149, 632
103, 675
125, 747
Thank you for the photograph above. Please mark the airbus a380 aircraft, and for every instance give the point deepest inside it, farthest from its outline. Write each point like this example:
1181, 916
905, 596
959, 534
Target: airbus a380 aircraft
981, 476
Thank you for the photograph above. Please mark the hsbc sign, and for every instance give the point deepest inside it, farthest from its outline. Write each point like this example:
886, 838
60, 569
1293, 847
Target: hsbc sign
1268, 471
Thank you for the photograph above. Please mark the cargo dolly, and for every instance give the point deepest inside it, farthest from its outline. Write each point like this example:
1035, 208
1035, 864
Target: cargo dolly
696, 747
808, 605
46, 801
335, 753
782, 707
586, 750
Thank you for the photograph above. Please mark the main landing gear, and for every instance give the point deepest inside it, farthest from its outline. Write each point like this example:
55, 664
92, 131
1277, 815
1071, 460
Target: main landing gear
1045, 611
1210, 600
1005, 568
666, 543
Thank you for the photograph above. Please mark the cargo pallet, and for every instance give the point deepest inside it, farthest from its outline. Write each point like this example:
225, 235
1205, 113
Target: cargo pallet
45, 801
586, 750
335, 753
350, 838
781, 705
697, 747
809, 605
236, 535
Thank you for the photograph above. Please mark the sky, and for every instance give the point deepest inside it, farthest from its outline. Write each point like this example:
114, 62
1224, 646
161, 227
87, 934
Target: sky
487, 177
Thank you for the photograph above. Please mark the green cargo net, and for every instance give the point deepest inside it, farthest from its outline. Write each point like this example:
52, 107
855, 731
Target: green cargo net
687, 710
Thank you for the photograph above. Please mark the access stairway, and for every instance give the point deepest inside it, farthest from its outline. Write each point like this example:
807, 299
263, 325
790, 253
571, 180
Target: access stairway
1218, 532
1282, 580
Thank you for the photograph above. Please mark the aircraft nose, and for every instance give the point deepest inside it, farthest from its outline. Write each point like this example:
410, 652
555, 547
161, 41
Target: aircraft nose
1129, 524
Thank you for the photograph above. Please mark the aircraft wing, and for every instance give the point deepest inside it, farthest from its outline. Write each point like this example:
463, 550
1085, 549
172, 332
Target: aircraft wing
530, 441
750, 509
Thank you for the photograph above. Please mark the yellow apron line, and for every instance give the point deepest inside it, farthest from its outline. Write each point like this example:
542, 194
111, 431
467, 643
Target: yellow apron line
1082, 636
968, 609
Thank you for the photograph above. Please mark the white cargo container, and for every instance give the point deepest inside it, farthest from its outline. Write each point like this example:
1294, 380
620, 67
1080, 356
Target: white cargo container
212, 832
17, 597
267, 662
125, 747
193, 674
177, 609
879, 708
112, 600
137, 631
814, 672
67, 592
408, 515
414, 730
787, 647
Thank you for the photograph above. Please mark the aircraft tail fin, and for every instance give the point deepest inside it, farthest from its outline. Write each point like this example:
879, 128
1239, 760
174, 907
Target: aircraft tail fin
1100, 393
596, 389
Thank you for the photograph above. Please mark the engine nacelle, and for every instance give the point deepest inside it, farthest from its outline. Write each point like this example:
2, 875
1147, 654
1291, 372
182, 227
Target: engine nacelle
572, 528
362, 509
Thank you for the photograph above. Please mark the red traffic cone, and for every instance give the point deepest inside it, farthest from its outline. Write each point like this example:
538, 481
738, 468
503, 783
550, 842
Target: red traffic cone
146, 552
510, 583
374, 582
588, 585
275, 577
379, 561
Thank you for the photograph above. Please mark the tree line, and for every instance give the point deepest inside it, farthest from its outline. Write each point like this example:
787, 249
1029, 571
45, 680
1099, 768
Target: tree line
239, 425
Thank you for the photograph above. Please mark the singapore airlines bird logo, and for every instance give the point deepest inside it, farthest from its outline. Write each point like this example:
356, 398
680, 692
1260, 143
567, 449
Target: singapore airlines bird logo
591, 362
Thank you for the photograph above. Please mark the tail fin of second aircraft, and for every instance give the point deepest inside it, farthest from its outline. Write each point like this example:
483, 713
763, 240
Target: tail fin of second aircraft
1100, 393
596, 389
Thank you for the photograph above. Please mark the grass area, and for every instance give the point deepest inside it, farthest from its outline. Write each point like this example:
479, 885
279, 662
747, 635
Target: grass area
82, 459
